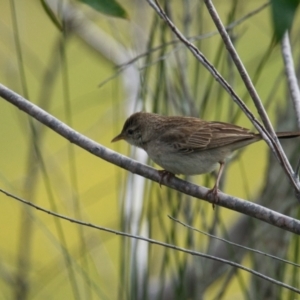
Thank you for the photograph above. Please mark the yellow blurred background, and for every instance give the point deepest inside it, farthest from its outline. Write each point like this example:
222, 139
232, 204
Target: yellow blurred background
47, 258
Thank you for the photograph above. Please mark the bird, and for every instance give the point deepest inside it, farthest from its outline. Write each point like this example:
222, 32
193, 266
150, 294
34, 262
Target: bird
188, 145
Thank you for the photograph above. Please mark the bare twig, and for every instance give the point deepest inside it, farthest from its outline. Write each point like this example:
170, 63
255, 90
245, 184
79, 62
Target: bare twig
152, 241
269, 137
196, 37
242, 70
196, 52
251, 209
234, 244
291, 74
275, 144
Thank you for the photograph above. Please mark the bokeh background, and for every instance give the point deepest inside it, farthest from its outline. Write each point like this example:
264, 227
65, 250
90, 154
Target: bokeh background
92, 76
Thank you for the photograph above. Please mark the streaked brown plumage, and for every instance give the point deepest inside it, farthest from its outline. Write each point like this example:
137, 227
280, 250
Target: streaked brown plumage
187, 145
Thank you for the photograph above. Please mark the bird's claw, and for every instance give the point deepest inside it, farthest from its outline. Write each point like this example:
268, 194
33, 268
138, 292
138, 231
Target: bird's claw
213, 195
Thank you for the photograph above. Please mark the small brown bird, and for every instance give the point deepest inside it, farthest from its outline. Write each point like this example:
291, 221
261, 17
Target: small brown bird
186, 145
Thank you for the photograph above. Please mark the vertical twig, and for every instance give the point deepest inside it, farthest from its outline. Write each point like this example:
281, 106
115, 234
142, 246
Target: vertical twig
268, 135
278, 150
242, 70
291, 74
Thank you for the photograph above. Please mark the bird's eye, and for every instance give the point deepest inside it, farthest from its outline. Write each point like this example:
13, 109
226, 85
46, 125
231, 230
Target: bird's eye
130, 131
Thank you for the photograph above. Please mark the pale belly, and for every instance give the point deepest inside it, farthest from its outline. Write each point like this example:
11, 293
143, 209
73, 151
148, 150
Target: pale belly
189, 163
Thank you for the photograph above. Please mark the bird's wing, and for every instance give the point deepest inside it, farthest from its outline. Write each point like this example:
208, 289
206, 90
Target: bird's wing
207, 135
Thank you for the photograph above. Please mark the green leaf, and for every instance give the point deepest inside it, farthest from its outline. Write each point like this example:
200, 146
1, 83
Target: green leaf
108, 7
51, 15
283, 13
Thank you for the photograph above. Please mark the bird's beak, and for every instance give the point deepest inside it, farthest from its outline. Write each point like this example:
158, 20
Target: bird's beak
118, 138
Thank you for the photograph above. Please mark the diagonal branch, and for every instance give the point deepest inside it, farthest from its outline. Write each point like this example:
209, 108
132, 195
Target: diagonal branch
268, 135
152, 241
239, 65
291, 74
276, 146
251, 209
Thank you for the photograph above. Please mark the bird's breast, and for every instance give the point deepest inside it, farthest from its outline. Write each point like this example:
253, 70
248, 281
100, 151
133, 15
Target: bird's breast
185, 163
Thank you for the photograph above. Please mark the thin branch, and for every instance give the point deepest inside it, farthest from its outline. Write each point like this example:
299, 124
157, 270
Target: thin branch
235, 244
199, 56
242, 70
251, 209
270, 139
196, 37
152, 241
276, 146
291, 74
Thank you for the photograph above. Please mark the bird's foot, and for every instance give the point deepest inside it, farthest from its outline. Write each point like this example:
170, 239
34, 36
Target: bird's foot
213, 195
163, 174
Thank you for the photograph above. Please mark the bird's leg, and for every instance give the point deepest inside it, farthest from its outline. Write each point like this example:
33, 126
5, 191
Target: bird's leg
163, 174
214, 191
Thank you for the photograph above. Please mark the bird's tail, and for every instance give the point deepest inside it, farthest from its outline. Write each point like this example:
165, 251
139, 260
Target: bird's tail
287, 135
